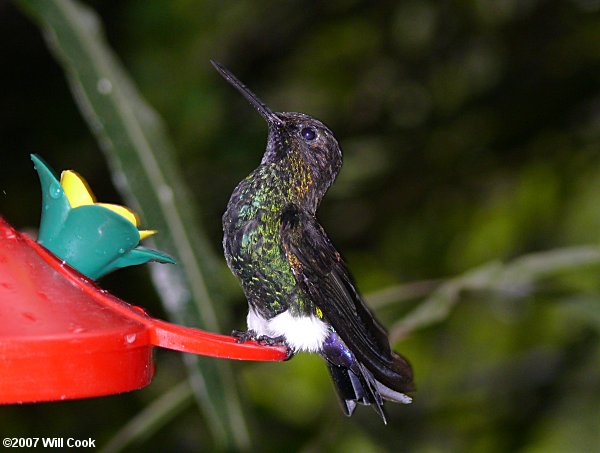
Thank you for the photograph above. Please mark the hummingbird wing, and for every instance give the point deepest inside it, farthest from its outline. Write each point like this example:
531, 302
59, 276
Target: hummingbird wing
321, 272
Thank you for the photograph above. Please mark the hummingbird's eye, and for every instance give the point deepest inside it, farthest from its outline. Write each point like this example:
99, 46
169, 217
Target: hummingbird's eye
308, 133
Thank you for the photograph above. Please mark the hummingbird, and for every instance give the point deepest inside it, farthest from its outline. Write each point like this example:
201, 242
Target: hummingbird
299, 290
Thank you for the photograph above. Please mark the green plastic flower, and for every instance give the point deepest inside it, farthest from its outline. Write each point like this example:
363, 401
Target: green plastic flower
94, 238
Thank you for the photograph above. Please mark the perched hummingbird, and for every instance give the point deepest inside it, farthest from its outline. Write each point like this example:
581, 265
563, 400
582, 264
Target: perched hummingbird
299, 289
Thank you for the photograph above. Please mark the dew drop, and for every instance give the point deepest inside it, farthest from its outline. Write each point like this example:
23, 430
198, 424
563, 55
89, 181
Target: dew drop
29, 316
130, 338
139, 309
104, 86
75, 328
165, 193
55, 190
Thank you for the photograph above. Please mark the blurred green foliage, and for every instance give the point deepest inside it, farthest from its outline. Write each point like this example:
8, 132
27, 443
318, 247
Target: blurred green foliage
471, 132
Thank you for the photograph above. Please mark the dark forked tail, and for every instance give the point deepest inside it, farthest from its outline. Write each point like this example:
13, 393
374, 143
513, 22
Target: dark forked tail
361, 362
354, 383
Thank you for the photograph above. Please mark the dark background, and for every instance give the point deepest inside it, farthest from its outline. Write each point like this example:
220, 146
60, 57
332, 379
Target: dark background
471, 133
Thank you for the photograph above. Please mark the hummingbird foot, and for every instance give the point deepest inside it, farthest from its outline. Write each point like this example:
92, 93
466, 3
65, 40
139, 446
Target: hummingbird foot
291, 352
241, 336
265, 340
276, 341
250, 335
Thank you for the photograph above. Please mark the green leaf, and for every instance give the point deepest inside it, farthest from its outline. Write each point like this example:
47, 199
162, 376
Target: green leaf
153, 417
142, 161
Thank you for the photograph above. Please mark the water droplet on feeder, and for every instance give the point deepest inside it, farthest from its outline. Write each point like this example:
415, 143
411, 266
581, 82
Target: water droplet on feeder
75, 328
29, 316
55, 190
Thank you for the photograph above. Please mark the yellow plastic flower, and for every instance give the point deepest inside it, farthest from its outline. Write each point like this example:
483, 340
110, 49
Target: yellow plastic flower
79, 193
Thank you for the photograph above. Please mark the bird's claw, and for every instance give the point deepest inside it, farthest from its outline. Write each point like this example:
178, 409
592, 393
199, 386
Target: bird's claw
263, 340
270, 341
242, 336
289, 353
276, 341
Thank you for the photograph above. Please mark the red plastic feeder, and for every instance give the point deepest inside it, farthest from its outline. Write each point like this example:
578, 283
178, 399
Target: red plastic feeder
63, 337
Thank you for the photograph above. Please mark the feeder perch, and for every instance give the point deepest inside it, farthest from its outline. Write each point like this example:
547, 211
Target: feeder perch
61, 335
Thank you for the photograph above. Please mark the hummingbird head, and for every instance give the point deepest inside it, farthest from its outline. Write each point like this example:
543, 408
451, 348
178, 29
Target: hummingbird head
304, 141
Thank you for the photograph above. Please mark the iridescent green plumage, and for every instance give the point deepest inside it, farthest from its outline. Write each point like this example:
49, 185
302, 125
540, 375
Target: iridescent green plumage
251, 241
297, 285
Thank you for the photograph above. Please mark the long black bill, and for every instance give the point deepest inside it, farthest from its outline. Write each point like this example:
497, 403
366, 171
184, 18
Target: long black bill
259, 105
